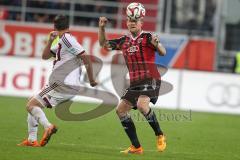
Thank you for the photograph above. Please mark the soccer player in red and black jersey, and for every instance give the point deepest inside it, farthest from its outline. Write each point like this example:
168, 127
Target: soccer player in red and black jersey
138, 49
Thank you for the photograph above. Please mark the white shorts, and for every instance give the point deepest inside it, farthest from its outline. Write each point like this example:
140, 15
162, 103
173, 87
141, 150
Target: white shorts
49, 98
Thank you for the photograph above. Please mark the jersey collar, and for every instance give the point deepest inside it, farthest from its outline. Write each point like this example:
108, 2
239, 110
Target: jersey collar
68, 32
134, 38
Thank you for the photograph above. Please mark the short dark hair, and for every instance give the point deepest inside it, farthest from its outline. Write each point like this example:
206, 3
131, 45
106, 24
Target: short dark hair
61, 22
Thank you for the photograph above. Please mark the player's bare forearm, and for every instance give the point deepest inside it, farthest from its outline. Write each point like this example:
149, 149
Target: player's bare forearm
101, 32
161, 49
47, 52
88, 65
101, 36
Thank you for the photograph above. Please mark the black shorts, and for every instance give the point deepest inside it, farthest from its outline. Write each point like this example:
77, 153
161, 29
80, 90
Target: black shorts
148, 87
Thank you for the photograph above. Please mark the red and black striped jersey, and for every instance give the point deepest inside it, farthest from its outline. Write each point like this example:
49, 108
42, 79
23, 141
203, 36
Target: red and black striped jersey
139, 55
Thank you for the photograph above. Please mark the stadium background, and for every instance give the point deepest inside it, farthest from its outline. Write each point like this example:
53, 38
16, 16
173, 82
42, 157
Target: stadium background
201, 37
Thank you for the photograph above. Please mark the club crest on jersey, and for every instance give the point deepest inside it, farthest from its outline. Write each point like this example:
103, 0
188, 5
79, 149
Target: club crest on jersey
140, 40
133, 49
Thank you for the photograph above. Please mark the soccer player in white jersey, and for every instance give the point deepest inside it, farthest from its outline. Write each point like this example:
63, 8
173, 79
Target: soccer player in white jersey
67, 49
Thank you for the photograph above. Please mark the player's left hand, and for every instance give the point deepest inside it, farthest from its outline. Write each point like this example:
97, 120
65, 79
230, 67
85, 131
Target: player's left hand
155, 40
52, 35
93, 83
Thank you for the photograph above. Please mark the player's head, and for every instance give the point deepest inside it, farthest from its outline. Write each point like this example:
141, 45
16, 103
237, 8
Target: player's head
61, 22
134, 25
135, 13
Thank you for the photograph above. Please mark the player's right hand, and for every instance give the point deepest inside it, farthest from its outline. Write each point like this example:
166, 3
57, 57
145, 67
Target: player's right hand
102, 21
53, 35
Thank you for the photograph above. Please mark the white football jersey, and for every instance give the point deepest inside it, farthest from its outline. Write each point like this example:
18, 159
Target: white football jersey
66, 49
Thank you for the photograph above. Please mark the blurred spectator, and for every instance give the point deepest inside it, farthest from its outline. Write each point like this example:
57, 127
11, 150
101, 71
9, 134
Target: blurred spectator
193, 14
99, 8
39, 17
61, 4
8, 14
16, 16
236, 64
189, 11
42, 18
96, 8
4, 14
83, 6
209, 15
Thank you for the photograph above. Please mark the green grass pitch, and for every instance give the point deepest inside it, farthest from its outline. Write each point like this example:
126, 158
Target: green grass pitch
204, 136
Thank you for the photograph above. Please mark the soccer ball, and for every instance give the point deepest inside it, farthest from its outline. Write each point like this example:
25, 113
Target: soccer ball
135, 11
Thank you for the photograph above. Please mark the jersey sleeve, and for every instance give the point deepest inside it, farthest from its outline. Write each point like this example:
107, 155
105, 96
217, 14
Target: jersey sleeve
72, 45
115, 44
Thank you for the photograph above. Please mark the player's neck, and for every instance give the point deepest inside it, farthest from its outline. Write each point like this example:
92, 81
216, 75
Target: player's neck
63, 31
135, 34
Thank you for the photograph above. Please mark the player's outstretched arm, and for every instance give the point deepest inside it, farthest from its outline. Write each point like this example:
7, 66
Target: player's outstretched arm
101, 32
47, 50
88, 65
156, 43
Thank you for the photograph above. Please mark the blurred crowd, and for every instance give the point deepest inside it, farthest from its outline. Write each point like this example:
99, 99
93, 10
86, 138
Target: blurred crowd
186, 14
34, 12
193, 14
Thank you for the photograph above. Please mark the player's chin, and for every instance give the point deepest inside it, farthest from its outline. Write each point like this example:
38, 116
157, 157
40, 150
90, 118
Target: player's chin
133, 30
